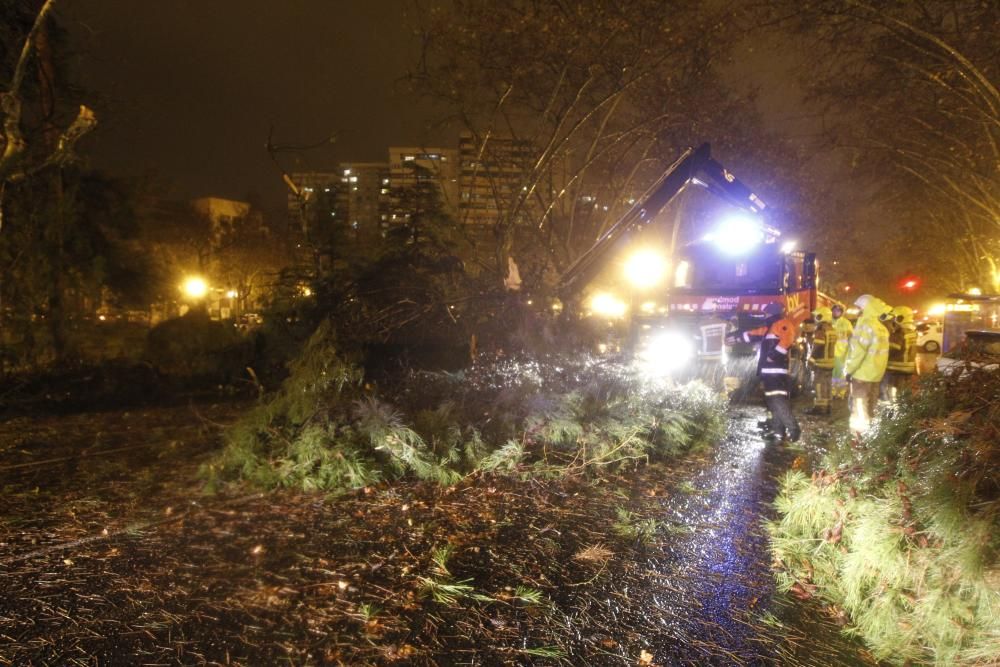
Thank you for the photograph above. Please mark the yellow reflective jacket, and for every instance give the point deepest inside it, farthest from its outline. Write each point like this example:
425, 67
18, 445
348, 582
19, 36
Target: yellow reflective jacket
903, 349
824, 346
868, 351
844, 329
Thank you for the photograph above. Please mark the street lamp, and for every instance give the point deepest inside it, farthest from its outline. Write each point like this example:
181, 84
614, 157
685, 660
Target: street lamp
195, 287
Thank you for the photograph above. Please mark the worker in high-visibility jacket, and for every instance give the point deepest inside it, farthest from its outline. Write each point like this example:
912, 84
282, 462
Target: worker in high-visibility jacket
867, 357
775, 339
844, 329
901, 368
821, 358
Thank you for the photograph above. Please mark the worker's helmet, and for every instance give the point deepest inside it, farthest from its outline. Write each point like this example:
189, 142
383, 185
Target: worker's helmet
902, 314
886, 315
823, 314
863, 301
774, 309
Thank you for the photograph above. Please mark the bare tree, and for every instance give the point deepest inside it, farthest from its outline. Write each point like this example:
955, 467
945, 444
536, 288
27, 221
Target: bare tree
18, 158
911, 95
604, 95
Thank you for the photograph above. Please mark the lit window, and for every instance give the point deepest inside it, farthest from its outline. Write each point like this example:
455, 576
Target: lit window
384, 191
347, 172
354, 179
409, 158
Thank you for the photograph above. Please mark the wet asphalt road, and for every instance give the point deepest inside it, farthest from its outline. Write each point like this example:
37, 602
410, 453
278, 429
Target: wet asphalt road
716, 587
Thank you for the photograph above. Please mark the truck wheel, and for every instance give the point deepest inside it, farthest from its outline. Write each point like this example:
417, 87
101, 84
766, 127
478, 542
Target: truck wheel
932, 347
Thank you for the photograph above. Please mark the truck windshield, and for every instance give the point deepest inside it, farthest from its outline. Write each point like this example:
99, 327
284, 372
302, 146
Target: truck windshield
705, 270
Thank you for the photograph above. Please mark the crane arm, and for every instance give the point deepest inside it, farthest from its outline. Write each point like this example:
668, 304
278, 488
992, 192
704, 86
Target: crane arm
693, 166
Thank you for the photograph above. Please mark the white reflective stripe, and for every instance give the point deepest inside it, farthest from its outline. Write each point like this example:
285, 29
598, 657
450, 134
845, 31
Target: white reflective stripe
781, 349
777, 392
774, 371
771, 335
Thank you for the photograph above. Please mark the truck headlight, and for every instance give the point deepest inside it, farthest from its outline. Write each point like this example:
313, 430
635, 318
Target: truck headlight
666, 352
608, 305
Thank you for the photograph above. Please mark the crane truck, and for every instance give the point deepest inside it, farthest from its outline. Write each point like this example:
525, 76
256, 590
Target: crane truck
724, 278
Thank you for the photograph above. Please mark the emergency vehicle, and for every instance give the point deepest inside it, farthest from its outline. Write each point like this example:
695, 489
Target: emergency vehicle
721, 281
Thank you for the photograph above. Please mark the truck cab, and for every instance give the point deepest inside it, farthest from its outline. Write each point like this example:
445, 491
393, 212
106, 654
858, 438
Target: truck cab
716, 288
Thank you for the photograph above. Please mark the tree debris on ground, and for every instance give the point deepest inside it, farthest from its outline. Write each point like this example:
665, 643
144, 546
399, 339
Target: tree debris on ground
111, 551
899, 532
326, 430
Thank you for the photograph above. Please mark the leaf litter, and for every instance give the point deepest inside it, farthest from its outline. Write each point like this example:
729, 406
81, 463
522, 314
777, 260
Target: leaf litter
108, 557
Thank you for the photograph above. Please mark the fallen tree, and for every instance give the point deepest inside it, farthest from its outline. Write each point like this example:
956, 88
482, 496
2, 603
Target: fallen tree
325, 429
900, 533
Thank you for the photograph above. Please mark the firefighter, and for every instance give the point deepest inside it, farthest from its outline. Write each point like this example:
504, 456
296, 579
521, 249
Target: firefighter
843, 327
867, 357
821, 357
776, 337
902, 365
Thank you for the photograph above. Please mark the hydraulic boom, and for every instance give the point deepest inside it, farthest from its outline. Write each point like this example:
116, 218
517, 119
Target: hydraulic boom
694, 166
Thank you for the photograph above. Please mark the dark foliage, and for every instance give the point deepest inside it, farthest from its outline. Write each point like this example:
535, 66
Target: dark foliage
195, 349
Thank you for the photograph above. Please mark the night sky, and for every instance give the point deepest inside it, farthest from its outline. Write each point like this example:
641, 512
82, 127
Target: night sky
188, 88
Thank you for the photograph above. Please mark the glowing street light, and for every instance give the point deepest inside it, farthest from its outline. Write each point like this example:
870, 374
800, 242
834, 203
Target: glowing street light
646, 268
195, 287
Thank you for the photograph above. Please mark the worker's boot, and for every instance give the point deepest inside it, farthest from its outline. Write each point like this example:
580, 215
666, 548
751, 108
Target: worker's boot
818, 410
774, 435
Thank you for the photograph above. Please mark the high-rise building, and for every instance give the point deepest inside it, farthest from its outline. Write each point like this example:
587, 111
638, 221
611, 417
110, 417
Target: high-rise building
409, 166
354, 199
492, 174
316, 193
364, 199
